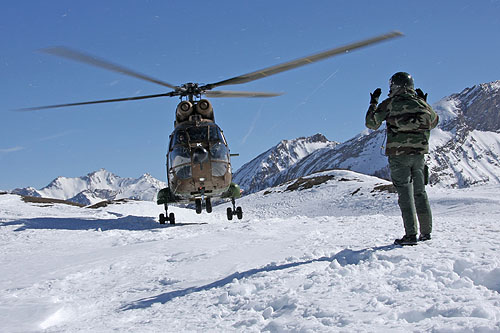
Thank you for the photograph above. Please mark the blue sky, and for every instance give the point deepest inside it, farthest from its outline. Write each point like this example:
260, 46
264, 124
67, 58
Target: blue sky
448, 46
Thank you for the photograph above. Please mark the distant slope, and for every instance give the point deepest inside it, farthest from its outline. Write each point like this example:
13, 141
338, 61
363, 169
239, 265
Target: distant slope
97, 186
269, 168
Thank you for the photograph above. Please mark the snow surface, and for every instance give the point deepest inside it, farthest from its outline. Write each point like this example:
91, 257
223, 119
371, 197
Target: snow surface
319, 259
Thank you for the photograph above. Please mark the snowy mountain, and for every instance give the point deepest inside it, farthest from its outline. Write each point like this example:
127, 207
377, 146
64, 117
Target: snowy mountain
269, 168
315, 254
97, 186
464, 148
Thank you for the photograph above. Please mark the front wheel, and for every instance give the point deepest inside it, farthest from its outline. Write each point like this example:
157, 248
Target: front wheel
197, 203
171, 218
229, 213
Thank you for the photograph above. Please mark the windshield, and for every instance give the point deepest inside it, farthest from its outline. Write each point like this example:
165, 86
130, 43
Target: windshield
180, 162
197, 134
211, 137
219, 152
179, 155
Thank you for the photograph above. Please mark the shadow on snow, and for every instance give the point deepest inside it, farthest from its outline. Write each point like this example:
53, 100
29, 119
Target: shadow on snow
344, 257
131, 223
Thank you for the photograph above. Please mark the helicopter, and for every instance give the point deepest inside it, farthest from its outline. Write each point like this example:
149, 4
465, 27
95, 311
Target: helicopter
198, 162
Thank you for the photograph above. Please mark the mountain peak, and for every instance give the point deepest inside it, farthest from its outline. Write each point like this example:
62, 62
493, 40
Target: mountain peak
476, 107
97, 186
267, 168
99, 171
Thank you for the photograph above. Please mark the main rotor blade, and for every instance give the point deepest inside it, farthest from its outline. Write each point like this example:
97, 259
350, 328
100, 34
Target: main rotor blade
302, 61
226, 93
91, 60
95, 102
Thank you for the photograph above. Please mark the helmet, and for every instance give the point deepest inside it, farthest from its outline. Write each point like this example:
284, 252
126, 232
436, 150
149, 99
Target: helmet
400, 80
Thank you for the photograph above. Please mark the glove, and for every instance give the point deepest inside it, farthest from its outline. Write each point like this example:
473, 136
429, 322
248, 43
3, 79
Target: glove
421, 94
375, 95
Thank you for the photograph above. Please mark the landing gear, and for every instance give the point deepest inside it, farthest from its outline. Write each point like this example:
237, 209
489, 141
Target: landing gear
164, 197
199, 205
234, 211
167, 217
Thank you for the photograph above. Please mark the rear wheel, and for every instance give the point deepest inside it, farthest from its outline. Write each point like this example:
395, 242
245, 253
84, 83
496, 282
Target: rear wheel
197, 203
208, 205
239, 213
162, 218
171, 218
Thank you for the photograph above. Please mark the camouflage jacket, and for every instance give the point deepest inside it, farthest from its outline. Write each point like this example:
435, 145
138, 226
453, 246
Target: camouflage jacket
409, 120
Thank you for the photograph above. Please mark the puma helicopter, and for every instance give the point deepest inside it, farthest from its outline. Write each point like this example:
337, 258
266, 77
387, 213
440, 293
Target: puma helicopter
198, 159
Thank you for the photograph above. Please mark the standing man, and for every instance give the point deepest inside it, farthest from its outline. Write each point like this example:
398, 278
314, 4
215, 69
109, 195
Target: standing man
409, 120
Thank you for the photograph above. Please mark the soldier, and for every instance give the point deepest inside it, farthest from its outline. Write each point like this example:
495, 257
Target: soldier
409, 120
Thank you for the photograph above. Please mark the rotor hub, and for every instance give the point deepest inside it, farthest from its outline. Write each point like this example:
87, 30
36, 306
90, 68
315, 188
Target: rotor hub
189, 90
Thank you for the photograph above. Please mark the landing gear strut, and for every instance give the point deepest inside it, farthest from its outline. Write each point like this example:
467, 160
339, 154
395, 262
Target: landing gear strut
167, 217
234, 211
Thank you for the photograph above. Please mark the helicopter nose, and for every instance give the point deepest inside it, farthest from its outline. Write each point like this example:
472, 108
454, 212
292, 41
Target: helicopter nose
200, 155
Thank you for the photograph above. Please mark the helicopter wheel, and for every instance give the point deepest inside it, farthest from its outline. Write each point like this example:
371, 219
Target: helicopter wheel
170, 218
229, 213
239, 213
208, 205
197, 203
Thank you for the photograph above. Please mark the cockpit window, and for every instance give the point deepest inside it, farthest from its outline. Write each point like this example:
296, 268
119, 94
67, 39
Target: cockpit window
180, 162
215, 134
219, 152
179, 138
179, 155
197, 134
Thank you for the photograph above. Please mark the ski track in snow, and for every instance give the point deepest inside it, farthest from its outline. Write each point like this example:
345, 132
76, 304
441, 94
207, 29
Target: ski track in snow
320, 259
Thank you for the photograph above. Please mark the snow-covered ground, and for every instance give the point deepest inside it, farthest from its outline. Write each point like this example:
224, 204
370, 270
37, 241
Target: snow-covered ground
317, 259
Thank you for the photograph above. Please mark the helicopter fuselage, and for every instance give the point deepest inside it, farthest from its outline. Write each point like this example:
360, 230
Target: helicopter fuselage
198, 161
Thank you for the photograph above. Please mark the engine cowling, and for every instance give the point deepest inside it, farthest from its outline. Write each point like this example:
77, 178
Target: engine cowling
184, 110
205, 109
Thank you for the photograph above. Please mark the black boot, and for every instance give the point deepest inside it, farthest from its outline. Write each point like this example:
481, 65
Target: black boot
406, 240
424, 237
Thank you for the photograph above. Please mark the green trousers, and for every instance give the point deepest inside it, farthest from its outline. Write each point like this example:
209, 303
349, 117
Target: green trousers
408, 176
